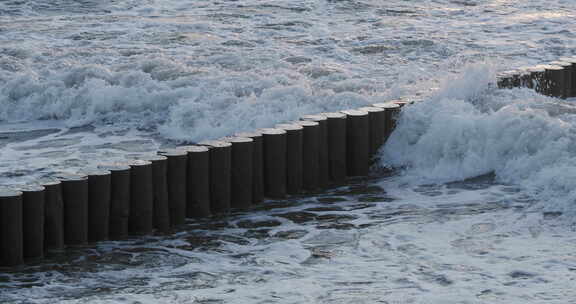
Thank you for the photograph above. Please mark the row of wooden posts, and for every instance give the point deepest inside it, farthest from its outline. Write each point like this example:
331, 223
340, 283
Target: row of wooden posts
557, 79
158, 192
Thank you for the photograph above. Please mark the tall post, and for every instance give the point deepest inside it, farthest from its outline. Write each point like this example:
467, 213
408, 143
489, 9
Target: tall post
54, 214
141, 220
11, 234
294, 151
323, 161
119, 199
220, 175
99, 185
160, 186
358, 142
257, 165
198, 180
75, 197
176, 177
337, 146
33, 220
310, 155
274, 162
241, 172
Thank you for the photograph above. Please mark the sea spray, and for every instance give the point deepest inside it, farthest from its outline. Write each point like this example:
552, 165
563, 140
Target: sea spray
468, 128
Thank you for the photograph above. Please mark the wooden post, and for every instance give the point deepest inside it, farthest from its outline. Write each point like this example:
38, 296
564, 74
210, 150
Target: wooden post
274, 148
99, 185
358, 142
160, 186
141, 220
323, 160
54, 214
119, 199
294, 151
257, 165
198, 179
11, 233
310, 155
241, 172
75, 197
337, 146
220, 175
176, 177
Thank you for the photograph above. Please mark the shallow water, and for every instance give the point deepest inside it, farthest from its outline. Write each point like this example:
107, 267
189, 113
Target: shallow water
82, 82
361, 243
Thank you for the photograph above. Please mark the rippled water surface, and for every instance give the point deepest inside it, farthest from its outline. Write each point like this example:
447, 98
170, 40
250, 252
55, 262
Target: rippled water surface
82, 82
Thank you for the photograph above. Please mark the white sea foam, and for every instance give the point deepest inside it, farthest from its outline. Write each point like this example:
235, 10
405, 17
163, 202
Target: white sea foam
468, 128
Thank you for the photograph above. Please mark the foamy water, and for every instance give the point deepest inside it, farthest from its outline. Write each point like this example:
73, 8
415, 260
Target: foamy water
90, 81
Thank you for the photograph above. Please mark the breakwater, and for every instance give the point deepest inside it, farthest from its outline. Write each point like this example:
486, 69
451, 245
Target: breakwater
157, 193
556, 79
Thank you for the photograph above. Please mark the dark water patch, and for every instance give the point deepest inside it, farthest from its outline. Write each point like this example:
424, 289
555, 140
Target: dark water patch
298, 217
258, 224
373, 49
337, 226
359, 189
375, 199
331, 199
397, 12
520, 274
324, 209
475, 183
291, 234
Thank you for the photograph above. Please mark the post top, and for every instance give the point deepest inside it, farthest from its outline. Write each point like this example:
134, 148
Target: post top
193, 148
115, 166
355, 112
236, 139
289, 126
95, 171
313, 117
172, 152
272, 131
330, 115
386, 105
65, 176
215, 144
307, 123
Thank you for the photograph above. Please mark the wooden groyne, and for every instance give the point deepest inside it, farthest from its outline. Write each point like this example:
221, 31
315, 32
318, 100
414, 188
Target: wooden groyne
556, 79
157, 193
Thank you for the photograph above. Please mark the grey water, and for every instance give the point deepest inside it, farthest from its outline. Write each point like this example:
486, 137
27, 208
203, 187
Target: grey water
83, 82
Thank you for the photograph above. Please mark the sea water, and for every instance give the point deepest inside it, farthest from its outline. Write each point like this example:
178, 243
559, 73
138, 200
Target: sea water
480, 207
